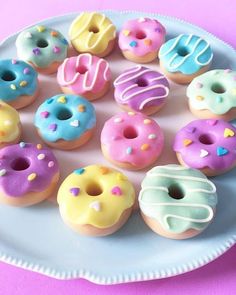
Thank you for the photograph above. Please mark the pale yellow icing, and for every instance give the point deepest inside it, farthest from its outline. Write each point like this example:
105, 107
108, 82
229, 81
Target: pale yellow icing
9, 123
103, 210
84, 37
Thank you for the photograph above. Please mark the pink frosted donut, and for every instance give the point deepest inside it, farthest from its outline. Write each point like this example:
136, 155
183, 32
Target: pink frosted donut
131, 140
86, 75
141, 89
207, 145
140, 39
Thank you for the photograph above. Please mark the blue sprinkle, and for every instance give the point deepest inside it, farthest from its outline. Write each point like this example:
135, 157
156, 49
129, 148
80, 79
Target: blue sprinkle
219, 99
22, 144
79, 171
133, 43
64, 41
129, 150
221, 151
50, 100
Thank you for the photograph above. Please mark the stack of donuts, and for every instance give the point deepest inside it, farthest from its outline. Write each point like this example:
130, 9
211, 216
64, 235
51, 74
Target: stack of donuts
175, 201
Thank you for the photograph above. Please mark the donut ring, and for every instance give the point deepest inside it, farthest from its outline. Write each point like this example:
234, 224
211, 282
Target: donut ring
131, 140
208, 145
177, 202
213, 95
96, 200
28, 174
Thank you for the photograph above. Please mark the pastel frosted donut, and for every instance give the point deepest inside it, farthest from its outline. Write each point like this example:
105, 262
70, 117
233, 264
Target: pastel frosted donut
28, 174
177, 202
85, 75
140, 39
44, 48
141, 89
185, 57
96, 200
208, 145
18, 83
94, 33
213, 95
65, 121
10, 125
131, 140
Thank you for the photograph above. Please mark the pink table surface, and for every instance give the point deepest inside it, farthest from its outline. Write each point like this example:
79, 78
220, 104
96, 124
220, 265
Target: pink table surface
217, 17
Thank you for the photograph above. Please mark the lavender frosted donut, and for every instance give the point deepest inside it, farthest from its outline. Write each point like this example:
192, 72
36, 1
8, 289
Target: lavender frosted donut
207, 145
141, 89
28, 174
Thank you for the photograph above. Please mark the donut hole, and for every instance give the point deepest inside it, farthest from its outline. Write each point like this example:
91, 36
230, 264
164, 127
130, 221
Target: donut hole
207, 138
217, 88
42, 43
81, 69
176, 192
142, 82
94, 29
94, 189
130, 132
183, 51
20, 164
64, 114
8, 76
140, 35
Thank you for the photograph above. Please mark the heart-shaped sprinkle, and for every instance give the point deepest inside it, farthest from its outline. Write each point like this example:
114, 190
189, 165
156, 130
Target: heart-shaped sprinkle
221, 151
133, 44
23, 83
32, 176
56, 49
75, 191
22, 144
152, 136
116, 190
74, 123
118, 120
26, 71
228, 132
203, 153
79, 171
44, 114
187, 142
96, 205
7, 122
3, 172
14, 61
51, 164
212, 122
28, 35
41, 156
52, 127
129, 150
36, 51
61, 99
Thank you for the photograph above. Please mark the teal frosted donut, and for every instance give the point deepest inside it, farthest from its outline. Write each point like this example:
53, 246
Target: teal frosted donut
65, 121
18, 83
186, 55
177, 202
43, 47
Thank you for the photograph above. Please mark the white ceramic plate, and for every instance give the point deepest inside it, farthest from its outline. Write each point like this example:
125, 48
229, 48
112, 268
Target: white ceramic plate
35, 238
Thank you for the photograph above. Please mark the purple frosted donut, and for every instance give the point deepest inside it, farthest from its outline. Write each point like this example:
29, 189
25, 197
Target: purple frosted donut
208, 145
28, 174
141, 89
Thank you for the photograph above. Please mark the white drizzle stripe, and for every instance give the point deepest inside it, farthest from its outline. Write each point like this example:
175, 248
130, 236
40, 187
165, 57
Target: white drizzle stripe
101, 36
83, 27
171, 168
172, 47
158, 78
117, 82
154, 97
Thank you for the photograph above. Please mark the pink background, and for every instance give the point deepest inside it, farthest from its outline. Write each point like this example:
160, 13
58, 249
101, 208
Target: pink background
217, 17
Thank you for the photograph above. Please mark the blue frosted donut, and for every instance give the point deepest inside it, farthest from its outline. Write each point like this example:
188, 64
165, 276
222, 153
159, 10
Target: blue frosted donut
17, 79
186, 54
65, 121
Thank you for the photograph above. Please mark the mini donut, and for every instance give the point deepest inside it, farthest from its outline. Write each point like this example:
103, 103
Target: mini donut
28, 174
85, 75
65, 121
44, 48
140, 39
131, 140
94, 33
10, 125
185, 57
96, 200
141, 89
213, 95
207, 145
177, 202
18, 83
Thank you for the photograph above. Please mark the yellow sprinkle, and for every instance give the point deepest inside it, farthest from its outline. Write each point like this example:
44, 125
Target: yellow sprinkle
147, 42
61, 99
41, 29
32, 176
234, 91
187, 142
121, 176
23, 83
228, 133
13, 86
147, 121
39, 146
81, 108
131, 113
126, 32
144, 147
199, 97
104, 170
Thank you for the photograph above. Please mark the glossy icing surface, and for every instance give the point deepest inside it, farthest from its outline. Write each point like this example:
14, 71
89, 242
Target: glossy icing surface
26, 168
207, 143
132, 138
141, 36
61, 112
91, 32
141, 87
84, 73
112, 194
41, 46
17, 78
194, 211
9, 123
186, 54
214, 91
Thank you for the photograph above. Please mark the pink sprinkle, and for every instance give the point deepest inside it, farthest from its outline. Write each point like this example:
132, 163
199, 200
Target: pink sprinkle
44, 114
199, 85
116, 190
26, 71
51, 164
14, 61
212, 122
56, 49
52, 127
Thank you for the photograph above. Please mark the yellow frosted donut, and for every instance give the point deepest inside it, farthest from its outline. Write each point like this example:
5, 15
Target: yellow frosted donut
96, 200
94, 33
10, 126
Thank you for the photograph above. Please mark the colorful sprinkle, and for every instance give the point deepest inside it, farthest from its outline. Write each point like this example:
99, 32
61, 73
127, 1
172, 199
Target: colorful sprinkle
23, 83
51, 164
41, 156
22, 144
41, 29
7, 122
104, 170
28, 35
152, 136
228, 132
44, 114
39, 146
64, 41
199, 97
158, 30
116, 190
133, 43
147, 121
54, 33
32, 176
145, 147
118, 120
190, 129
13, 86
129, 150
61, 99
219, 99
131, 113
75, 191
121, 176
56, 49
3, 172
212, 122
52, 127
74, 123
36, 51
26, 71
50, 100
221, 151
126, 32
81, 108
199, 85
79, 171
187, 142
96, 205
14, 61
203, 153
147, 42
141, 20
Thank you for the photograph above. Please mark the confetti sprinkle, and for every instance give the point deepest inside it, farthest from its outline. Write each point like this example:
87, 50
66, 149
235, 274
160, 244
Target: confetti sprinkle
228, 133
203, 153
61, 99
133, 44
116, 190
50, 100
147, 42
74, 123
23, 83
41, 156
3, 172
212, 122
187, 142
147, 121
145, 147
221, 151
28, 35
56, 49
32, 176
129, 150
36, 51
79, 171
52, 127
152, 136
41, 29
75, 191
64, 41
199, 97
39, 146
44, 114
22, 144
131, 113
13, 86
14, 61
121, 176
126, 32
81, 108
118, 120
51, 164
158, 30
54, 33
104, 170
26, 71
96, 205
219, 99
